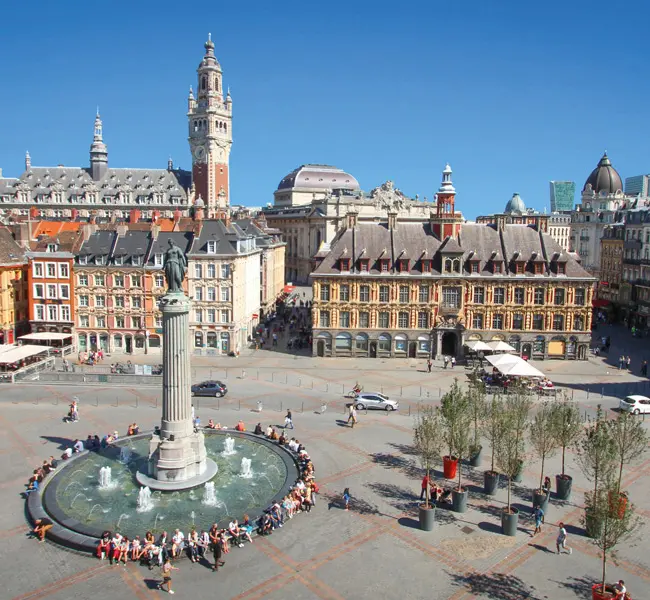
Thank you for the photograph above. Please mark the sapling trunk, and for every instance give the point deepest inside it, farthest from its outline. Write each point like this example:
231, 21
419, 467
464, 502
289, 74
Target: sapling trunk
426, 493
563, 453
541, 477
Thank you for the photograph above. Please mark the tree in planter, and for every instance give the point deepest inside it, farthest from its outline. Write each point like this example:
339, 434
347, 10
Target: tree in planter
630, 441
455, 416
511, 446
618, 521
427, 441
542, 438
567, 425
477, 404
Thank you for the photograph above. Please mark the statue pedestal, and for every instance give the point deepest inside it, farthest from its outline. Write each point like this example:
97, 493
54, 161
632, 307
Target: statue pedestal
177, 458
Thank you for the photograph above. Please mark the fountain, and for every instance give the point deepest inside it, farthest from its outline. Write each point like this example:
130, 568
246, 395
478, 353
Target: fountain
228, 446
90, 514
67, 487
125, 454
246, 472
106, 478
145, 503
75, 499
209, 494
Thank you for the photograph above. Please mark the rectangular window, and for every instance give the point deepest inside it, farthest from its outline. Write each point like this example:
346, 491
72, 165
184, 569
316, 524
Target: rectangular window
383, 319
519, 268
159, 281
118, 281
119, 322
83, 300
158, 260
83, 260
84, 321
402, 320
99, 259
100, 280
198, 315
363, 264
426, 266
499, 295
344, 319
497, 321
65, 312
497, 267
38, 269
119, 301
51, 270
136, 322
474, 267
225, 294
539, 296
212, 247
384, 293
225, 316
324, 318
580, 296
212, 294
520, 295
403, 294
100, 301
225, 271
344, 292
479, 295
118, 260
136, 281
212, 271
558, 322
325, 292
198, 271
518, 321
100, 322
64, 291
212, 315
364, 293
538, 322
423, 320
451, 297
345, 264
82, 280
558, 298
158, 321
136, 261
38, 290
52, 312
424, 293
477, 321
384, 266
136, 302
364, 320
64, 270
198, 294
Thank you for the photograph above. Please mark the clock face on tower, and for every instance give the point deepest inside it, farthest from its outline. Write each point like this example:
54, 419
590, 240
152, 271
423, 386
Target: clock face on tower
199, 153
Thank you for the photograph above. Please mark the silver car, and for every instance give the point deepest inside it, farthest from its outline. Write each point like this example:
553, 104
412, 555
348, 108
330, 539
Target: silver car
375, 400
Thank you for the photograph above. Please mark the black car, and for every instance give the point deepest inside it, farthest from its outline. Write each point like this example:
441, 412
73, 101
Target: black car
210, 388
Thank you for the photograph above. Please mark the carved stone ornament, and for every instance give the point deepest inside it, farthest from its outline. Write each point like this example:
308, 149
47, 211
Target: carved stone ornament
387, 197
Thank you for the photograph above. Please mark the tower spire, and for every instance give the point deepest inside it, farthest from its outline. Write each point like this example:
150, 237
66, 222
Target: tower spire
98, 151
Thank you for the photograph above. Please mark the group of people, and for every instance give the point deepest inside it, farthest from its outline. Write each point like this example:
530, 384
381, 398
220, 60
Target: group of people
38, 474
624, 362
91, 358
288, 318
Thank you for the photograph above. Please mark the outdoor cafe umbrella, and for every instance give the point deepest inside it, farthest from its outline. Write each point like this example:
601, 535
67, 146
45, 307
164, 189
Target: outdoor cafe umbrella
500, 346
478, 346
502, 359
519, 369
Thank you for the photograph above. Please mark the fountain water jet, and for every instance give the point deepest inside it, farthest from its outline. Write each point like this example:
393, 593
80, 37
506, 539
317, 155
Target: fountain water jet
246, 472
145, 503
106, 478
229, 446
122, 516
209, 494
90, 514
71, 484
77, 496
125, 454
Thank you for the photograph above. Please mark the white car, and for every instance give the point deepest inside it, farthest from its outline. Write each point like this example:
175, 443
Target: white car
635, 404
375, 400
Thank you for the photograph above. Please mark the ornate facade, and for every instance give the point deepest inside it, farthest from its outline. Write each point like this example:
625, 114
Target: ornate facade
14, 297
405, 289
611, 264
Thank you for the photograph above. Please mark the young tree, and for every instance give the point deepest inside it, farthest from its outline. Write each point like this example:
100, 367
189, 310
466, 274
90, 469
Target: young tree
427, 440
616, 517
511, 447
596, 454
567, 425
630, 441
542, 436
455, 415
493, 424
477, 403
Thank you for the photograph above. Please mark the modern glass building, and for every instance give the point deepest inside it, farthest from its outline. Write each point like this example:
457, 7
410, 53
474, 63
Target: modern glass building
637, 185
563, 195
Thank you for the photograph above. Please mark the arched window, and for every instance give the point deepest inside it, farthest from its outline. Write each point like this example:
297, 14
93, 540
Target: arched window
448, 265
198, 339
579, 323
212, 339
362, 341
343, 341
204, 82
216, 84
225, 127
457, 265
384, 342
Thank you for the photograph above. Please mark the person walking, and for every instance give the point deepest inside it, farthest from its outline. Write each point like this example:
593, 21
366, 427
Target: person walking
352, 416
167, 569
628, 362
323, 407
288, 420
346, 498
426, 481
621, 361
453, 362
560, 542
445, 360
644, 368
217, 550
429, 365
538, 515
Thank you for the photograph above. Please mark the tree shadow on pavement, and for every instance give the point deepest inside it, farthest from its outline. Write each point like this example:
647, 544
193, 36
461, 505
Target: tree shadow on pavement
391, 461
62, 442
400, 498
498, 586
580, 586
404, 449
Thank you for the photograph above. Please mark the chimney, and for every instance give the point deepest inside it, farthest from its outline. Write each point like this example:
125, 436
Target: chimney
0, 172
177, 215
74, 214
392, 221
22, 233
87, 230
155, 231
134, 215
33, 212
352, 219
121, 229
28, 162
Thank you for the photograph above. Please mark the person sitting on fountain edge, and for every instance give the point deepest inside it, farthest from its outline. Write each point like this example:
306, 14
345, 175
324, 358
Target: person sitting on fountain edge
235, 533
258, 429
240, 426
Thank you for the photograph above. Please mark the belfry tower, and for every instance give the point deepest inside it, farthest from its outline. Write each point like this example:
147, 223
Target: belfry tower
446, 221
209, 116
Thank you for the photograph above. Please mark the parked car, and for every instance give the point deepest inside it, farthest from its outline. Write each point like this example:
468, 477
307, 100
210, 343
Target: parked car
635, 404
371, 400
210, 388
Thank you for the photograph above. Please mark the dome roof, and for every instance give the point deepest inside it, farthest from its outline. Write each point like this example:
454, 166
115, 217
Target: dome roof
515, 204
604, 178
319, 176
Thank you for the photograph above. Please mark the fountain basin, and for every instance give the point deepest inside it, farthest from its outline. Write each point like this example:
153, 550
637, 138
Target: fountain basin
79, 527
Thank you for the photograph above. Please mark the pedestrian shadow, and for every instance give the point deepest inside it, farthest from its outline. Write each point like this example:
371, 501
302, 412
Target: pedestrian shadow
542, 548
152, 584
342, 423
356, 505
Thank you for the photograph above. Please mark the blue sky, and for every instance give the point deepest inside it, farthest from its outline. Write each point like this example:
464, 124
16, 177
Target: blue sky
512, 94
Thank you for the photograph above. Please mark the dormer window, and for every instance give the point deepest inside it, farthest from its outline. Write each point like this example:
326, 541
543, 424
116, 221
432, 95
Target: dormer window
426, 265
519, 267
136, 261
403, 265
383, 265
497, 267
83, 260
561, 268
158, 260
118, 260
51, 247
345, 264
212, 247
364, 263
538, 268
99, 260
474, 266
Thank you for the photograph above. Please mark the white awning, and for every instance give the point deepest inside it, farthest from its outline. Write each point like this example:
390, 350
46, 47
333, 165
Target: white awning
514, 365
20, 352
500, 346
502, 359
45, 335
478, 346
